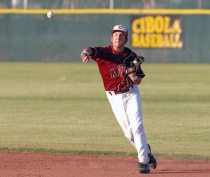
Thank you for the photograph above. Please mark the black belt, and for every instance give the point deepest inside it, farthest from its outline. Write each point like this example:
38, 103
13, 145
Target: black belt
121, 92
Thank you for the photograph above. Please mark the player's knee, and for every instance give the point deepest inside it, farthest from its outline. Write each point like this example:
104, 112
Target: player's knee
138, 130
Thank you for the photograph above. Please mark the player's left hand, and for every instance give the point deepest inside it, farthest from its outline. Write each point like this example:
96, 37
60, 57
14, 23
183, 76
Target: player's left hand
130, 69
137, 61
134, 65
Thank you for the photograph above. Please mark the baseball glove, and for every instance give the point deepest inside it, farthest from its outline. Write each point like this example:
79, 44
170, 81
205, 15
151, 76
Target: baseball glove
134, 65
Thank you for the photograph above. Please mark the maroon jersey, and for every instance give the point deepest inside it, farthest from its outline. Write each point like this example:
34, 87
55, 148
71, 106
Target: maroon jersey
112, 65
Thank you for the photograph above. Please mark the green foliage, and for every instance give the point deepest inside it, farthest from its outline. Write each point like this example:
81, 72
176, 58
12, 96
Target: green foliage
62, 107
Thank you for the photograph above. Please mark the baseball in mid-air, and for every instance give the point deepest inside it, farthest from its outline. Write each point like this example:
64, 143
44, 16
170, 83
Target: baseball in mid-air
50, 14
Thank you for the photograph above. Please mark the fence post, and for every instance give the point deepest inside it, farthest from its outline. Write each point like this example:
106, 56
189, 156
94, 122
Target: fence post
200, 4
25, 4
14, 2
111, 4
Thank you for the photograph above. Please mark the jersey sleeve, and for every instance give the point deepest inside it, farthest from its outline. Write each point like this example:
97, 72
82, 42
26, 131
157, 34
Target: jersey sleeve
99, 54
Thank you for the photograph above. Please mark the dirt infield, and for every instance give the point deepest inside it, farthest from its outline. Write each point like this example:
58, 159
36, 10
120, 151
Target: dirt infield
18, 164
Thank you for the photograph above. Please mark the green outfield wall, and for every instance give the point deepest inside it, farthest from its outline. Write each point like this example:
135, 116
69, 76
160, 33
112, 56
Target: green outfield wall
169, 36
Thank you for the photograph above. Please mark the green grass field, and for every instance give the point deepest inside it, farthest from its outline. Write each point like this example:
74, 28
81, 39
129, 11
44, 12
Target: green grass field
62, 107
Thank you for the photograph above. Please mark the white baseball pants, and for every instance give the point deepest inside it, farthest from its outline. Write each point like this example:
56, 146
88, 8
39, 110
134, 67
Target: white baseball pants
128, 111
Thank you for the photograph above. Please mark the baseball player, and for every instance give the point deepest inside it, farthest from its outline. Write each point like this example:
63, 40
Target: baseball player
121, 74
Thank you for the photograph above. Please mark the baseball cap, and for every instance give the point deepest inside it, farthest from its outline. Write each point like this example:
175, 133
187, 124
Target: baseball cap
120, 28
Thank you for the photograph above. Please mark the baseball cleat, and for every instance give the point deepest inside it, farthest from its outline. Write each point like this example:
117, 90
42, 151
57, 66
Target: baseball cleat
143, 168
151, 160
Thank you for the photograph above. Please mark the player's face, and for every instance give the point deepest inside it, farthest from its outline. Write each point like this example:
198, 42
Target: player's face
119, 39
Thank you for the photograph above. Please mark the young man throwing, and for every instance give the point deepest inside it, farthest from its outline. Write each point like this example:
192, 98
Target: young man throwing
122, 91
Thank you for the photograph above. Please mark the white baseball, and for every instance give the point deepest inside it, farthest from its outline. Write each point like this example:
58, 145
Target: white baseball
50, 14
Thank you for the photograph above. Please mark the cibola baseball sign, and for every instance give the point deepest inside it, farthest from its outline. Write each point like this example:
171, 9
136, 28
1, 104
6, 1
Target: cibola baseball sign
160, 31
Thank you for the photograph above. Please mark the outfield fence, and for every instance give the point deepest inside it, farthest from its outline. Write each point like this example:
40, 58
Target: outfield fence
161, 35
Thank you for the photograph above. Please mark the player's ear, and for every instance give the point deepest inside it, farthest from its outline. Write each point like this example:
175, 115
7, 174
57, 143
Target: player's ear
126, 40
111, 38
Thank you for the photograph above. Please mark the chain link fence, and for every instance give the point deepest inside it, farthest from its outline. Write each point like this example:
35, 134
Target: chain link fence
101, 4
